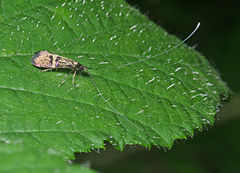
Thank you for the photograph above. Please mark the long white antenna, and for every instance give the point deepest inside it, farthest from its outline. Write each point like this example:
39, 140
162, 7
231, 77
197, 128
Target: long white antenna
168, 50
105, 100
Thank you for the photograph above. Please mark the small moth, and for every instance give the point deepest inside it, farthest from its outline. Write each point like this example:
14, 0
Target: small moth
50, 61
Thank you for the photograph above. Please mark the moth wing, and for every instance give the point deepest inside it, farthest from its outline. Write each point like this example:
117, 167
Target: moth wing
42, 59
62, 62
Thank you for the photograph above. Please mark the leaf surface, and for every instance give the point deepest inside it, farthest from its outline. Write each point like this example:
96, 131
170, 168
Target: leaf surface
17, 158
157, 99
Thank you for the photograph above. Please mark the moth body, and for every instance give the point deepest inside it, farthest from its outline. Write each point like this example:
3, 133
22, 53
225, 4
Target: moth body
47, 60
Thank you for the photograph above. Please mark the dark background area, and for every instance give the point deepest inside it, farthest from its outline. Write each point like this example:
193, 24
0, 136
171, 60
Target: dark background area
217, 148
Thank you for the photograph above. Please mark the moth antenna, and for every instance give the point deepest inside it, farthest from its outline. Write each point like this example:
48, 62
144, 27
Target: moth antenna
105, 100
168, 50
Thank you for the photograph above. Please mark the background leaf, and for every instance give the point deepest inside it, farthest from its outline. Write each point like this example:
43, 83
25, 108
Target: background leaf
158, 100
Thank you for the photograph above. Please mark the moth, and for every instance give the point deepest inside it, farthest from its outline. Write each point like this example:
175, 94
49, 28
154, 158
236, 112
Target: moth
50, 61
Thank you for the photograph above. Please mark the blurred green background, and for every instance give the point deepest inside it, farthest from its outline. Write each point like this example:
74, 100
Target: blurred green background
217, 148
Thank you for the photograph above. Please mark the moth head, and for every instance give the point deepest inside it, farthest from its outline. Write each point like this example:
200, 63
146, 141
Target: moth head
82, 68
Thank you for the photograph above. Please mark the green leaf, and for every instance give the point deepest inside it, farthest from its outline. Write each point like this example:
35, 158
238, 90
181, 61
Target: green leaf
17, 158
217, 150
160, 98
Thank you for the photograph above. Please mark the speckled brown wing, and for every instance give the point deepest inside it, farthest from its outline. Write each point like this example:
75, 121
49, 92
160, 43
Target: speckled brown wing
42, 59
45, 59
62, 62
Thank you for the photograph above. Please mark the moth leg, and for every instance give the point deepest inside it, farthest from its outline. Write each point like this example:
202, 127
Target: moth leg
65, 78
73, 79
48, 69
